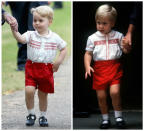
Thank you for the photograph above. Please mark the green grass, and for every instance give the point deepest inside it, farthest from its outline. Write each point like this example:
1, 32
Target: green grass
13, 80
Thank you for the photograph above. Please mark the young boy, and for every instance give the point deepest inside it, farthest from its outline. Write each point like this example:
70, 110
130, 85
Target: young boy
41, 51
106, 46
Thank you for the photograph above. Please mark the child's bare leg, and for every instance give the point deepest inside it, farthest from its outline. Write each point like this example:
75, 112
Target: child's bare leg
102, 100
115, 96
116, 101
42, 101
29, 96
43, 108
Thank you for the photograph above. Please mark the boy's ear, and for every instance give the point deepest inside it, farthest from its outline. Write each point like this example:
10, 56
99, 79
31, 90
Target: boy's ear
113, 24
50, 22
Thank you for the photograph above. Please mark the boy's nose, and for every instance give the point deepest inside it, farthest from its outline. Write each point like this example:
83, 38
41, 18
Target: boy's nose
101, 26
37, 23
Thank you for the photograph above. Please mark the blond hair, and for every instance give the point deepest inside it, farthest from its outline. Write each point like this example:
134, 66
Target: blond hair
106, 11
44, 11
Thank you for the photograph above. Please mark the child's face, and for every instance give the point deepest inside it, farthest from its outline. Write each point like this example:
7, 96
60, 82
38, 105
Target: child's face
104, 25
40, 23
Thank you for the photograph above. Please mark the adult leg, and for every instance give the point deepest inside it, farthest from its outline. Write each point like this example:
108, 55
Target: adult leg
20, 12
21, 56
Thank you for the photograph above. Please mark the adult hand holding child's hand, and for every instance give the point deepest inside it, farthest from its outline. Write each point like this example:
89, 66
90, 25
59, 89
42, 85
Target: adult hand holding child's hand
125, 44
11, 20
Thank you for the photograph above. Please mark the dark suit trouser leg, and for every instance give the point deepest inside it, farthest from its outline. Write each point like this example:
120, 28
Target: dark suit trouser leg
22, 55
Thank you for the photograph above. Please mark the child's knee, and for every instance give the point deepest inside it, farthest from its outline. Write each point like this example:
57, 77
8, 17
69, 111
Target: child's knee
101, 97
101, 94
115, 90
42, 94
29, 90
115, 93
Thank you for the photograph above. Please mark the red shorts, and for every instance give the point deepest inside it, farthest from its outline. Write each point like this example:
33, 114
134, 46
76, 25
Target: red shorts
106, 73
39, 75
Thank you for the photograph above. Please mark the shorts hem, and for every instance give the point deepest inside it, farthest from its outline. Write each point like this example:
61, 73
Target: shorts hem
99, 89
30, 85
116, 83
46, 91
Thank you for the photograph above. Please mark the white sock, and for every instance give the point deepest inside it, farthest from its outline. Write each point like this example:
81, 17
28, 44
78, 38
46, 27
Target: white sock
119, 119
31, 111
118, 114
42, 113
105, 117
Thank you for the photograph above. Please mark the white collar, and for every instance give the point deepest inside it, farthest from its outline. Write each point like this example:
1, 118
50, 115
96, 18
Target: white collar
110, 34
46, 36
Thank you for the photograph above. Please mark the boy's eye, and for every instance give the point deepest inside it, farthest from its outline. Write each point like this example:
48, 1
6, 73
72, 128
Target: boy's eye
38, 20
104, 23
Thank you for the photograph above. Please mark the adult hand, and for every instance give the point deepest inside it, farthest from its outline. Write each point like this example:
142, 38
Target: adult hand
129, 33
11, 20
128, 38
126, 46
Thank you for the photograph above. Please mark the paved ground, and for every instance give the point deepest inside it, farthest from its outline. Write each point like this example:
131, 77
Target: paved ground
133, 120
59, 104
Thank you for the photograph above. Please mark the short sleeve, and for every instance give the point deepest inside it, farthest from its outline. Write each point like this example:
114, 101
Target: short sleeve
60, 42
27, 36
90, 45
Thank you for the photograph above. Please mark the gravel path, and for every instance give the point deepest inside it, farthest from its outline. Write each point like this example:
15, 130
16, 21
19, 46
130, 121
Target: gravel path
59, 104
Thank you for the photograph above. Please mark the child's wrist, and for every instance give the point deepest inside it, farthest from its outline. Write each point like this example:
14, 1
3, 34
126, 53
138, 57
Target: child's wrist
57, 63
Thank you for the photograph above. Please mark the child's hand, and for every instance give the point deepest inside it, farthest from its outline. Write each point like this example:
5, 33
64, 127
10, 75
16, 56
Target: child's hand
59, 59
88, 72
55, 67
14, 25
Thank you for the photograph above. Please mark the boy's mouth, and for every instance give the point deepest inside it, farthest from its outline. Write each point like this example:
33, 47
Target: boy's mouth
101, 30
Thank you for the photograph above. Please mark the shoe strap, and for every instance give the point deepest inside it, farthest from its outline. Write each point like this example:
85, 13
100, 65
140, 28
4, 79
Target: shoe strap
43, 119
105, 122
31, 117
118, 119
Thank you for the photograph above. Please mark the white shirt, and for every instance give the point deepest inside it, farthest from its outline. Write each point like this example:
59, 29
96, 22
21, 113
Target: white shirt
105, 47
42, 49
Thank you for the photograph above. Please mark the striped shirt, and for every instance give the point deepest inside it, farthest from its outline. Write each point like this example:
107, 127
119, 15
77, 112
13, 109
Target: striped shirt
105, 47
42, 49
